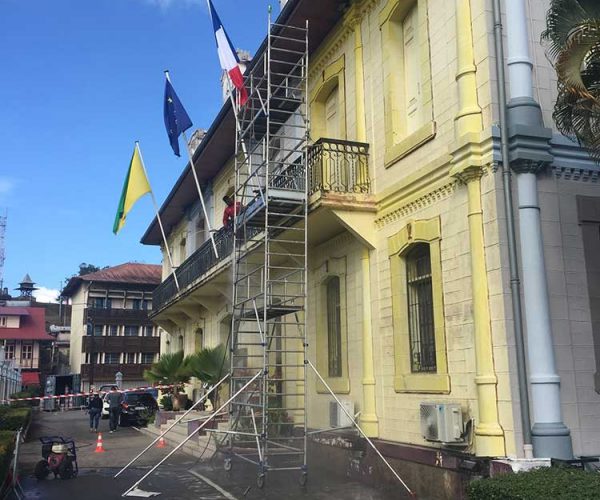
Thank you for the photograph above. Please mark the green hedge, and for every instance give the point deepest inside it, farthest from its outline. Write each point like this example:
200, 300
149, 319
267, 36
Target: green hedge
12, 419
554, 483
7, 445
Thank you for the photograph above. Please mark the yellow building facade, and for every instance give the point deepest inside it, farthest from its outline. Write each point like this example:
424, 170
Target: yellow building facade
408, 284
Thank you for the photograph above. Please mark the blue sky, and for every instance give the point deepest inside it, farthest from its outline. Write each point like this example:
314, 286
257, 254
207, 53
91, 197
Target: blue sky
82, 80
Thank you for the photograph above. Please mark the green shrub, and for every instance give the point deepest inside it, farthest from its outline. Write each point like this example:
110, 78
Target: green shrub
30, 392
12, 419
554, 483
166, 402
7, 445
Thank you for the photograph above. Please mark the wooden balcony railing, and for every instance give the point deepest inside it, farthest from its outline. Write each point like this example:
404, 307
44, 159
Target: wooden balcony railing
117, 316
107, 372
120, 344
339, 166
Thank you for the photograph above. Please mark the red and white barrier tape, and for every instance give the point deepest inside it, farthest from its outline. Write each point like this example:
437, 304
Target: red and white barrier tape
41, 398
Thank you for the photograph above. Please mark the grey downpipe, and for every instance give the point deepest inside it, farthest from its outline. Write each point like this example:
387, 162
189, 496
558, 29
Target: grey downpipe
515, 282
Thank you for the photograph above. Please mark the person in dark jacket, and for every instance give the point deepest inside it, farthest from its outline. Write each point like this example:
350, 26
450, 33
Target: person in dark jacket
114, 398
95, 410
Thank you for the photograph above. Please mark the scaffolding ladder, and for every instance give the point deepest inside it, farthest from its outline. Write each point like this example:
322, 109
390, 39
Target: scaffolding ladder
267, 421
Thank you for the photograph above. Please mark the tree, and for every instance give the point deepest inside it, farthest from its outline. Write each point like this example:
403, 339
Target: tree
85, 268
209, 365
573, 34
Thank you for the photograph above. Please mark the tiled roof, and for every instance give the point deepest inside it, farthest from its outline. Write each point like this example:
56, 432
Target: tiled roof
32, 327
13, 311
130, 272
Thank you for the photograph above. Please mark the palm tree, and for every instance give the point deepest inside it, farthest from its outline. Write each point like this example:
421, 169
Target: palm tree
170, 369
573, 33
209, 365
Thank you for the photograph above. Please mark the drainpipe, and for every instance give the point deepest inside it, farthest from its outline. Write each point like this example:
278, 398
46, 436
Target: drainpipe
515, 284
530, 154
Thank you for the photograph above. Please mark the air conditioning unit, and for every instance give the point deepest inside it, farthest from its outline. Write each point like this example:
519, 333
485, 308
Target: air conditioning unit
442, 422
337, 417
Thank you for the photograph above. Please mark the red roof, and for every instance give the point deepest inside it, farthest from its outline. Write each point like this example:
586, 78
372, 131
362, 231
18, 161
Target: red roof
130, 272
33, 326
13, 311
30, 378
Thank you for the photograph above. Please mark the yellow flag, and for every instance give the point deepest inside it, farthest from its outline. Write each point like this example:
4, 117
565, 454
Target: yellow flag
136, 185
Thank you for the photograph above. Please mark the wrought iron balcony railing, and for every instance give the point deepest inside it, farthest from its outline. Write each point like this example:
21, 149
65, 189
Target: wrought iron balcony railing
197, 264
338, 166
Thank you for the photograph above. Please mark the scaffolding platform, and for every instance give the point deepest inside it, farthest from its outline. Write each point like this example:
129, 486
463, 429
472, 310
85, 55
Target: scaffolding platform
267, 423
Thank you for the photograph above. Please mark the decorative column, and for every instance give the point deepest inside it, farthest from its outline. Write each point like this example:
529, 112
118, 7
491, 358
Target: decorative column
368, 417
530, 154
467, 167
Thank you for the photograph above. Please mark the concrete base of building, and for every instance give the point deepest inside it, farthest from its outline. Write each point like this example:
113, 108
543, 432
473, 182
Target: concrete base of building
429, 472
552, 440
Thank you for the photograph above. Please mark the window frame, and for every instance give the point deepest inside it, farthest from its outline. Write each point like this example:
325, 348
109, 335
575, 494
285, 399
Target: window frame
112, 354
333, 76
405, 380
129, 328
399, 143
332, 267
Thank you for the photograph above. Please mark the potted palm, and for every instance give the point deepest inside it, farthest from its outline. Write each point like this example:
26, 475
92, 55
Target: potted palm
209, 365
171, 370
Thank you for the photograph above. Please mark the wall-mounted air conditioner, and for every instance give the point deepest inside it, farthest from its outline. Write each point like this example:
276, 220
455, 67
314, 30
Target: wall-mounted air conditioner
337, 417
442, 422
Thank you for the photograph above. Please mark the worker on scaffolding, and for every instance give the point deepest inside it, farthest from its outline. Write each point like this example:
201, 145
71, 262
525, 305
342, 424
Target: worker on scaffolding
231, 210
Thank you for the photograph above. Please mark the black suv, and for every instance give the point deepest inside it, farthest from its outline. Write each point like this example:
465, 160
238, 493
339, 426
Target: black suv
137, 408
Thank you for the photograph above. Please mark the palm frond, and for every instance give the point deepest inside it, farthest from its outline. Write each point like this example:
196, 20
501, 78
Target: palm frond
169, 369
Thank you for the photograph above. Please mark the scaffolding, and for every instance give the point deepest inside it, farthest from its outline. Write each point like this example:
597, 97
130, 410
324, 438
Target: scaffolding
267, 423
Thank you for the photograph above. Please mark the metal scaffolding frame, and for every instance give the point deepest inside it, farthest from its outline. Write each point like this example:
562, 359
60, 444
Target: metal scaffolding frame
267, 424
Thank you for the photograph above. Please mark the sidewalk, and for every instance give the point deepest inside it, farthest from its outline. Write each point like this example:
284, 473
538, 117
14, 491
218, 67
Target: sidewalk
182, 477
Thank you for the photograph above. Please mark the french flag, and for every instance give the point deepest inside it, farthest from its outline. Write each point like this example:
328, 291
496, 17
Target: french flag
227, 55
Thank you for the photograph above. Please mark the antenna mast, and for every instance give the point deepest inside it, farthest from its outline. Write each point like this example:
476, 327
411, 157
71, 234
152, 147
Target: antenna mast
2, 231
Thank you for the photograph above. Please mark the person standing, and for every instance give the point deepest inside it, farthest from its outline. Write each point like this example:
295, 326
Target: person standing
114, 398
95, 410
231, 210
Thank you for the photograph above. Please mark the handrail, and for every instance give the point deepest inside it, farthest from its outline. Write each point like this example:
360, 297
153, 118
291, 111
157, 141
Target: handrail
338, 165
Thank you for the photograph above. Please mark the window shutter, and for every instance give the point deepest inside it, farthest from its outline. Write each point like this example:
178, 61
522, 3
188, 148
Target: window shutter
412, 74
332, 123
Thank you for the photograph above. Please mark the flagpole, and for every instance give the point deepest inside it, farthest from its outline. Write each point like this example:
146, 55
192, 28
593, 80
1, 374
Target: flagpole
190, 155
162, 230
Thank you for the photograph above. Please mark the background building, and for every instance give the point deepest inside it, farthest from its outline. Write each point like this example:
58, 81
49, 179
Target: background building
110, 328
23, 332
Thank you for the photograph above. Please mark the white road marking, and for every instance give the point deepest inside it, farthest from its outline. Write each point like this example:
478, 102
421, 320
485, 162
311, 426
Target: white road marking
226, 494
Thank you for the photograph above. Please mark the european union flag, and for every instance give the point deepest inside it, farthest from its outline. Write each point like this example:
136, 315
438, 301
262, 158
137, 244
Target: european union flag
177, 120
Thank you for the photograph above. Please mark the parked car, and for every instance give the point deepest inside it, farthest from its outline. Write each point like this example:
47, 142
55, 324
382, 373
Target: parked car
137, 408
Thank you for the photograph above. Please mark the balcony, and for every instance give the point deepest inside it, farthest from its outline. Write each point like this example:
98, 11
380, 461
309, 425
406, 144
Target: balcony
117, 316
197, 264
107, 372
338, 166
120, 344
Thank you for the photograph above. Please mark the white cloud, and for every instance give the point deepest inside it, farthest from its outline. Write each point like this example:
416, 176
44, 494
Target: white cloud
44, 294
165, 4
6, 185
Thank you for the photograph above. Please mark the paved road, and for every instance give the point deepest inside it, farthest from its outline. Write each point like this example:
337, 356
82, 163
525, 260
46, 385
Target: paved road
181, 477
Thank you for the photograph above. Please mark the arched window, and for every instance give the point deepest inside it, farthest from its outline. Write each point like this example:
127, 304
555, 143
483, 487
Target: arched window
334, 327
420, 309
180, 342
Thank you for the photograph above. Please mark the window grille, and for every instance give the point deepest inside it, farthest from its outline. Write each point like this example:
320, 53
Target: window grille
334, 327
420, 309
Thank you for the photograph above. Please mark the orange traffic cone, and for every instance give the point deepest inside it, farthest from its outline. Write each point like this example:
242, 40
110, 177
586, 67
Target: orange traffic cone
99, 447
161, 443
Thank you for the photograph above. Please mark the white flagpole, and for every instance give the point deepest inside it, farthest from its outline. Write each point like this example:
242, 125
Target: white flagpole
189, 151
162, 230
